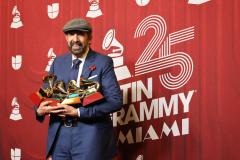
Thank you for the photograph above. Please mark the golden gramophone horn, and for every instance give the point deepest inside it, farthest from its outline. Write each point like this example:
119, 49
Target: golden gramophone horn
48, 92
97, 85
72, 85
59, 87
86, 82
72, 88
50, 79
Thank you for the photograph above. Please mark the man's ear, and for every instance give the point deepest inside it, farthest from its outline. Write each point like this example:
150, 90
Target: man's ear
89, 37
66, 37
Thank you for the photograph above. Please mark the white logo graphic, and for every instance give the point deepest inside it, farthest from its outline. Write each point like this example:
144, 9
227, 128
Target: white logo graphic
139, 157
197, 1
16, 62
16, 23
157, 45
110, 41
142, 2
15, 154
51, 56
53, 10
15, 115
94, 10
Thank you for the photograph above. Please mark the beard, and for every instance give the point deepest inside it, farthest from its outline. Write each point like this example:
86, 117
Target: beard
77, 48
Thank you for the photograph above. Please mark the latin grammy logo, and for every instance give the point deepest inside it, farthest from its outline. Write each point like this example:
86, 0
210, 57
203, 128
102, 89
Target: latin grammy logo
51, 55
15, 115
15, 154
53, 10
16, 23
94, 10
16, 62
110, 41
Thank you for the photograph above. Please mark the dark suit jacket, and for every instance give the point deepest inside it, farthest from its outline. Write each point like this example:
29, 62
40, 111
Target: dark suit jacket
95, 115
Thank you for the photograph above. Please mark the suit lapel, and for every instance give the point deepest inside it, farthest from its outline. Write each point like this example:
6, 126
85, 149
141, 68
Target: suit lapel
86, 72
67, 67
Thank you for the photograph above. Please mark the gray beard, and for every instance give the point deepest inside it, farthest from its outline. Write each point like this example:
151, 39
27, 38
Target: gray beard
78, 51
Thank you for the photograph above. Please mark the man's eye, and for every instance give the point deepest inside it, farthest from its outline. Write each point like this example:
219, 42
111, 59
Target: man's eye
79, 33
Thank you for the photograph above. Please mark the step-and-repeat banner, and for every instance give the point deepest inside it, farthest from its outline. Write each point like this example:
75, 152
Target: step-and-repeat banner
177, 63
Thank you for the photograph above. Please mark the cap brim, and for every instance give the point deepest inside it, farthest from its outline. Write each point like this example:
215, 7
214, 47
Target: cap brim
76, 29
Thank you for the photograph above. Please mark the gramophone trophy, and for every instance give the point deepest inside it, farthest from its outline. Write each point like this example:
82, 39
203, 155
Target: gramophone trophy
85, 94
91, 93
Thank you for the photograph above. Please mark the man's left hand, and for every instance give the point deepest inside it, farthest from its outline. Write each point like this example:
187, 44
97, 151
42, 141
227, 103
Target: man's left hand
67, 111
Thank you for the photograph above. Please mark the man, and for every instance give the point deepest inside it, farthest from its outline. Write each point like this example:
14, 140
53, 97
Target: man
82, 133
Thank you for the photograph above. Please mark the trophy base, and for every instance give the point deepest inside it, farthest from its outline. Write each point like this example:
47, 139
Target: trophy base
37, 99
53, 103
75, 100
92, 98
67, 101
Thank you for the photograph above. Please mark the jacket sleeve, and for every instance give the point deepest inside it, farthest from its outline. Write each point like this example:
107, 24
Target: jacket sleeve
112, 95
41, 118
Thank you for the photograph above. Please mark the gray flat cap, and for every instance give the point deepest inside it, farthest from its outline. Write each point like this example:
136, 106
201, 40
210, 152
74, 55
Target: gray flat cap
77, 24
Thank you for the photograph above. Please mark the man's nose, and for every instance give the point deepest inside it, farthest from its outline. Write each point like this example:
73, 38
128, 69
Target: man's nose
75, 38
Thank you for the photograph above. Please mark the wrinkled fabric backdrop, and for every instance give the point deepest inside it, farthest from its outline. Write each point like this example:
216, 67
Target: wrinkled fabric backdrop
177, 62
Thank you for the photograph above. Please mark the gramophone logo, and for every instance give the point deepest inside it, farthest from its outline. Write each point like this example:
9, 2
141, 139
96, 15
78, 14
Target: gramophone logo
15, 154
16, 62
53, 10
16, 23
142, 2
110, 42
15, 115
94, 10
51, 55
197, 1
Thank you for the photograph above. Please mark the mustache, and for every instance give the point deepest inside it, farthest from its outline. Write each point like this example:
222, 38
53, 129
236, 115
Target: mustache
77, 43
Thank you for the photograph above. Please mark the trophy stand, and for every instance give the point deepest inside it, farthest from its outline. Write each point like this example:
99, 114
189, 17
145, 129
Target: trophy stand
86, 94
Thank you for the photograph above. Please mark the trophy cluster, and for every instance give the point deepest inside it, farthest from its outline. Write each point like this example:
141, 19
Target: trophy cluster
58, 90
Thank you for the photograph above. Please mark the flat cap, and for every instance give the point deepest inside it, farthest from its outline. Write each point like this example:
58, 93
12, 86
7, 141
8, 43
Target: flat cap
77, 24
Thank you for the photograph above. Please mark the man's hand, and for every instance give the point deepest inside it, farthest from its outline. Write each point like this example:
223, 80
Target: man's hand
44, 109
66, 111
49, 157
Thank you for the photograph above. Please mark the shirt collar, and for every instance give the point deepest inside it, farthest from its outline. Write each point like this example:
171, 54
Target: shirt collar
82, 58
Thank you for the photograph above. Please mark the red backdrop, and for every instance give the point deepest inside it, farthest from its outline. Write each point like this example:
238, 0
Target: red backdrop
177, 63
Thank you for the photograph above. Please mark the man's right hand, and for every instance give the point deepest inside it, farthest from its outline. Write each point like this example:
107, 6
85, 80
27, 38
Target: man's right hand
45, 109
